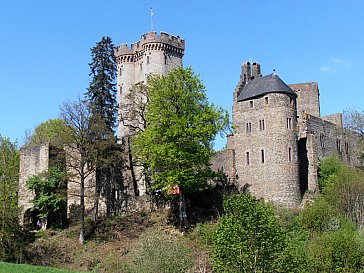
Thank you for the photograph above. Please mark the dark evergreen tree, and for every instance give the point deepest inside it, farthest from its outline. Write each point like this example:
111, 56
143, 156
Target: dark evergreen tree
102, 90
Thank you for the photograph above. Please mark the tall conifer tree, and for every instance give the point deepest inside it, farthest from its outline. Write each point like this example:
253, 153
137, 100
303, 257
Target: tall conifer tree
102, 90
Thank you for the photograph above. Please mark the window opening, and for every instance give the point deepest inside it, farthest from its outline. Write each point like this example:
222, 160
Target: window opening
247, 158
248, 127
262, 153
289, 154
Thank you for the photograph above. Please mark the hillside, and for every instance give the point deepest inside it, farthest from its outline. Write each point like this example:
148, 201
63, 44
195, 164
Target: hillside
117, 243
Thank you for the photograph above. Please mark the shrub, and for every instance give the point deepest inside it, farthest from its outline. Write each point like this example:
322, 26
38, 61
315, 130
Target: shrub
248, 238
159, 252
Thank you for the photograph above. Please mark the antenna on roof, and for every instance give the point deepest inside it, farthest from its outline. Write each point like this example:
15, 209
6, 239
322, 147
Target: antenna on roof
151, 18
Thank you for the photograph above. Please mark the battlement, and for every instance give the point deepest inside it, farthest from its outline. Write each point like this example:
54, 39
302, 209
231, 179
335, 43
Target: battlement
161, 41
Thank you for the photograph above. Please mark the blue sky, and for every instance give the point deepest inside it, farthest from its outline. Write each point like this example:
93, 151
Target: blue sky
45, 48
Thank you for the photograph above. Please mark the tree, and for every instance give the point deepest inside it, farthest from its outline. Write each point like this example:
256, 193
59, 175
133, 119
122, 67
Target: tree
176, 144
135, 109
101, 96
354, 122
101, 93
9, 177
50, 200
52, 131
80, 153
248, 237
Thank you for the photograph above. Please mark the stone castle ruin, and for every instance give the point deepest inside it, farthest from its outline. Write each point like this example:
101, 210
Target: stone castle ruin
274, 152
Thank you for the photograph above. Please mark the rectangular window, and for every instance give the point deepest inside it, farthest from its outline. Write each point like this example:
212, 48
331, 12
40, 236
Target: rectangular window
266, 100
251, 103
165, 59
262, 154
147, 59
289, 123
261, 125
289, 154
248, 127
247, 158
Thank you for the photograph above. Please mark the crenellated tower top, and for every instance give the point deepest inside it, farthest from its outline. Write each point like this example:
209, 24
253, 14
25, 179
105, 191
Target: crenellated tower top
150, 41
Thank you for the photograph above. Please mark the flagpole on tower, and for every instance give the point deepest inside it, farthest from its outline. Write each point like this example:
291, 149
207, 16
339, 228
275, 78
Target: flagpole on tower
151, 18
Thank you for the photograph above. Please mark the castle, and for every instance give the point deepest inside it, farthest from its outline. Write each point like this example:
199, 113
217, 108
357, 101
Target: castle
273, 153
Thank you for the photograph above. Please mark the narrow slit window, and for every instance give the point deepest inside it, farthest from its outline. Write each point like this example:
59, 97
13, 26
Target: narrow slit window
322, 140
261, 125
251, 103
247, 158
248, 127
266, 100
147, 59
289, 123
262, 155
289, 154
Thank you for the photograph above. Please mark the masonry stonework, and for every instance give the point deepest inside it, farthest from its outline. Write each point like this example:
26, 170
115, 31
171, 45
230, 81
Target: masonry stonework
279, 136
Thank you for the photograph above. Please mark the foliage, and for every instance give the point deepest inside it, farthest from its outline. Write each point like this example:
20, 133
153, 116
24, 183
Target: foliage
23, 268
9, 177
50, 188
346, 193
319, 216
294, 258
343, 188
158, 251
52, 131
337, 251
248, 238
101, 93
176, 145
329, 167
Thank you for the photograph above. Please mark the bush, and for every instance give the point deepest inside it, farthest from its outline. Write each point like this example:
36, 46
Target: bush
248, 238
338, 251
319, 216
159, 252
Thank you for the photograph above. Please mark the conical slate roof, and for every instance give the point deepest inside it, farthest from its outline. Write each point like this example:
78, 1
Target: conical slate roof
264, 85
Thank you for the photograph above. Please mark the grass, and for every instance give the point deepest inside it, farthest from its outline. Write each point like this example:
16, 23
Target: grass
23, 268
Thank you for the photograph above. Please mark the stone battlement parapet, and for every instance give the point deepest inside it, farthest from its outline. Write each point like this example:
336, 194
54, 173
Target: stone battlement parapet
152, 41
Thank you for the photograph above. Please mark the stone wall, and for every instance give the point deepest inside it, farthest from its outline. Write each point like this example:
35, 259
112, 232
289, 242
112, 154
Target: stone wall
33, 161
224, 162
307, 98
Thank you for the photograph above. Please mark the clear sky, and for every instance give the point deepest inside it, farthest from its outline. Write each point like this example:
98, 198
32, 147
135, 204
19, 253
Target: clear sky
45, 48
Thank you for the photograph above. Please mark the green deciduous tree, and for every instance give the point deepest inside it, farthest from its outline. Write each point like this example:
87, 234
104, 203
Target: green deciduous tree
52, 131
50, 189
248, 238
9, 177
176, 145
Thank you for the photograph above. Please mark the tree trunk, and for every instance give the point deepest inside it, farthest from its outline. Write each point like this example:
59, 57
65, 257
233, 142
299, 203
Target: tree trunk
82, 210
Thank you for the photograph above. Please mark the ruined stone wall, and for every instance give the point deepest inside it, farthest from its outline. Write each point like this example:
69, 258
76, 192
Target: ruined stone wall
224, 162
336, 119
33, 161
307, 98
266, 158
325, 138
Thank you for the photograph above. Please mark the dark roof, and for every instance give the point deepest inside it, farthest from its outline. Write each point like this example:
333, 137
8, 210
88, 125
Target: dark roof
264, 85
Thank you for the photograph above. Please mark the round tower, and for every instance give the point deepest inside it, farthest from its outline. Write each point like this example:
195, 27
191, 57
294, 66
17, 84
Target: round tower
266, 141
153, 54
